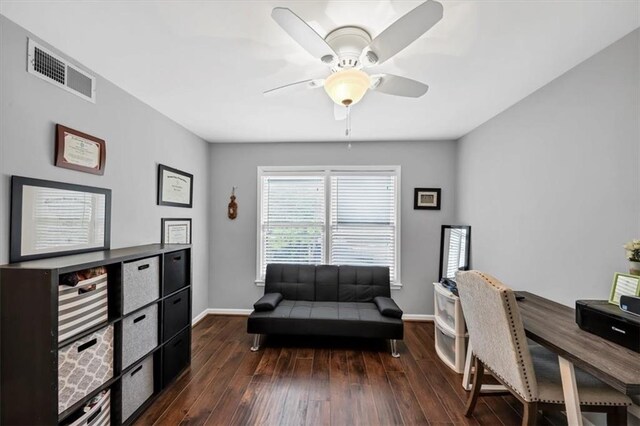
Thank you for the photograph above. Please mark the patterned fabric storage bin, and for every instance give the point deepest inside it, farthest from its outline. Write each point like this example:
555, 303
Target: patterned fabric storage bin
83, 306
97, 412
139, 334
140, 283
83, 366
137, 387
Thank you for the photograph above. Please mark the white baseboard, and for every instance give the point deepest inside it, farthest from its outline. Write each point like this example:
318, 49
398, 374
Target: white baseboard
199, 317
417, 317
219, 311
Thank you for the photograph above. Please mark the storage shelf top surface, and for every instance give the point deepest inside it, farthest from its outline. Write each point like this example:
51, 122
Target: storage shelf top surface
76, 262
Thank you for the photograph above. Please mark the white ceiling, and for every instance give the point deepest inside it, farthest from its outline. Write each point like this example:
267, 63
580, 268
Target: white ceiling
205, 64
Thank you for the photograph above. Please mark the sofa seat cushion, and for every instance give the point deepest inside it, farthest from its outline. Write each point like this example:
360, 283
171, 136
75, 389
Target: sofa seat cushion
301, 317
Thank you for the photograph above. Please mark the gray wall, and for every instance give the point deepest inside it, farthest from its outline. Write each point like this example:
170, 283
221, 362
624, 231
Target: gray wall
137, 137
551, 186
233, 242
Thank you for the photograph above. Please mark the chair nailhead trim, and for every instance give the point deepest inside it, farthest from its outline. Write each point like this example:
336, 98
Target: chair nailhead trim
512, 323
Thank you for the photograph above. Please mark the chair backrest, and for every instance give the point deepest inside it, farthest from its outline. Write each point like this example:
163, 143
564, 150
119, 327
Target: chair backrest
496, 331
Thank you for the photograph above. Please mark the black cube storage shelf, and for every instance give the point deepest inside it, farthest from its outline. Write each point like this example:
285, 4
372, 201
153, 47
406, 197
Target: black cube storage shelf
29, 331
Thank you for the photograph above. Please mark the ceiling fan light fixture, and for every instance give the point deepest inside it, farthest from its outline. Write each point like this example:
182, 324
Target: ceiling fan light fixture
347, 87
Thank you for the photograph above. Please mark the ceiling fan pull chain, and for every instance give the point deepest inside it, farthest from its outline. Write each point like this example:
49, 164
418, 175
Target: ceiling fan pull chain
347, 132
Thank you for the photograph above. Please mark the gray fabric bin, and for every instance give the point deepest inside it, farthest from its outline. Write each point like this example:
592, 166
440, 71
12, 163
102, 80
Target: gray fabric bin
140, 283
137, 387
139, 334
84, 366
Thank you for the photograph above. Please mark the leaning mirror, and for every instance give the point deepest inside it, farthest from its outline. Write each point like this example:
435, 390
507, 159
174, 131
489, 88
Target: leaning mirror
454, 250
54, 218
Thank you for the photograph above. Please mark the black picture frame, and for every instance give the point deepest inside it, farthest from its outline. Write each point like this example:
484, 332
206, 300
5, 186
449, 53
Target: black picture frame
167, 220
18, 184
161, 183
420, 204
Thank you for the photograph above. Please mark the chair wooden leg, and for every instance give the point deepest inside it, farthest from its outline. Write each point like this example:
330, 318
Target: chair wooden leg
530, 414
476, 387
617, 416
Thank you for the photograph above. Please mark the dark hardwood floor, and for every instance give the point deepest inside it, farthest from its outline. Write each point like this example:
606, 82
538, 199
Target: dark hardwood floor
304, 381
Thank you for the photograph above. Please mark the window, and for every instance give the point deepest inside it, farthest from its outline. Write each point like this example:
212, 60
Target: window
329, 215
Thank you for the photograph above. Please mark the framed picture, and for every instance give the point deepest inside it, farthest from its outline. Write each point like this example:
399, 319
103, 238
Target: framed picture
175, 187
54, 219
79, 151
176, 231
624, 285
426, 199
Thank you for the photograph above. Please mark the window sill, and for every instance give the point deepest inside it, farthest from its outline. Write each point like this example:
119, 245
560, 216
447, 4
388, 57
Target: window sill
394, 286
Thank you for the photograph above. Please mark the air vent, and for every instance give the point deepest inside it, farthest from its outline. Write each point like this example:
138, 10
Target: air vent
48, 66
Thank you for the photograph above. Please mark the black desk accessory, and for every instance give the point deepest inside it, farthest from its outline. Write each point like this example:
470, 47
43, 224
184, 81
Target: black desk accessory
630, 304
609, 322
450, 285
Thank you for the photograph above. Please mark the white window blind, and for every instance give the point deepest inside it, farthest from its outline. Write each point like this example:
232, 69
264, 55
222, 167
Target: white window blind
293, 220
457, 246
363, 221
329, 216
65, 218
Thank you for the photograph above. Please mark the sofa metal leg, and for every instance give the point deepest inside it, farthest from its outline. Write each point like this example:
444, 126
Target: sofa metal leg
256, 343
394, 348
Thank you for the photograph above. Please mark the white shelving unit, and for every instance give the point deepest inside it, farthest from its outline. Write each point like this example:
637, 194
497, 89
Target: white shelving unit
450, 328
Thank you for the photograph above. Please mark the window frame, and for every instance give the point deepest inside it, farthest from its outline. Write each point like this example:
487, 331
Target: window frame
327, 172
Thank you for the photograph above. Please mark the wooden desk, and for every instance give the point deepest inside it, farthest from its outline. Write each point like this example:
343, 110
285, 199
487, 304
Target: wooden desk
553, 325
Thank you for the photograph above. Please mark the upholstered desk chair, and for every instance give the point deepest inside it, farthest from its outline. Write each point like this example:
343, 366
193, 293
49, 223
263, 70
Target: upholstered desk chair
532, 375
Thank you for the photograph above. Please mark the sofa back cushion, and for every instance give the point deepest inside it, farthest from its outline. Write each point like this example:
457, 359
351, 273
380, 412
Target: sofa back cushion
363, 283
327, 283
294, 282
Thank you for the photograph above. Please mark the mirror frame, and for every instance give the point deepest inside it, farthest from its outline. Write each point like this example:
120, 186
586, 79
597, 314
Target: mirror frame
467, 251
15, 241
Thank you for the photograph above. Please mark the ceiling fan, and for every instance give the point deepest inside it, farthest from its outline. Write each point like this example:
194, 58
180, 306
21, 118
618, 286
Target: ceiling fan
348, 50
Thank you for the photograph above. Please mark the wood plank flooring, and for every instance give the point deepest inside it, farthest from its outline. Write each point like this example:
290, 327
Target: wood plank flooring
315, 381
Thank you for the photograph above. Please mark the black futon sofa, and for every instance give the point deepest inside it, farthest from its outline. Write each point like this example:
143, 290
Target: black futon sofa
327, 300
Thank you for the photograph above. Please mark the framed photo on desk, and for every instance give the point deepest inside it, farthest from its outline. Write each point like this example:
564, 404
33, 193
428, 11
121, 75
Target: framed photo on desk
624, 285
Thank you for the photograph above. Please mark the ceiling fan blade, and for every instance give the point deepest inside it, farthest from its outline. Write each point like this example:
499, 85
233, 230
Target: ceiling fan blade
398, 86
402, 33
339, 112
311, 84
304, 35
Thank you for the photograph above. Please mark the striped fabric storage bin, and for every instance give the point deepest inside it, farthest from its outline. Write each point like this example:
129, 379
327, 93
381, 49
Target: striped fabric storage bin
82, 307
95, 413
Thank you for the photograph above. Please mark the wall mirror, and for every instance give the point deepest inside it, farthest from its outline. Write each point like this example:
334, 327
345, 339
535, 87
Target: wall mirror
455, 246
53, 219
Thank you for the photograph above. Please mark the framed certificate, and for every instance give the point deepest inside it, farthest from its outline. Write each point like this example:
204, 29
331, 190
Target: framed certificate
79, 151
175, 187
624, 285
176, 231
